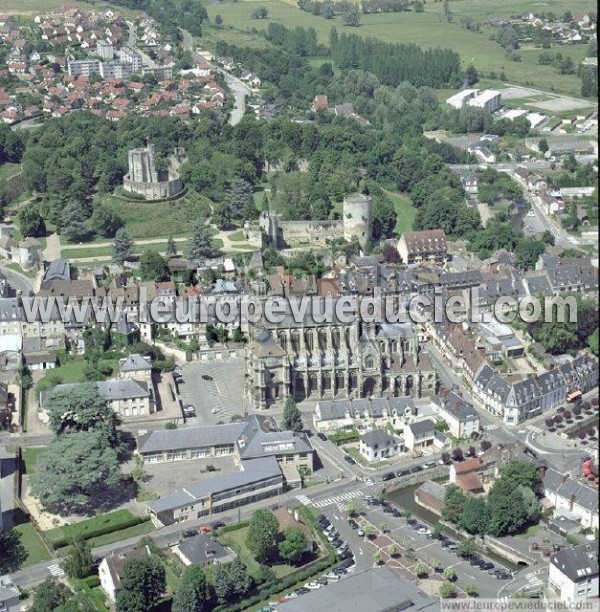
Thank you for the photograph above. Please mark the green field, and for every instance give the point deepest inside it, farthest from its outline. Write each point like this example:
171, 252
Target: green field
33, 544
427, 29
405, 211
70, 372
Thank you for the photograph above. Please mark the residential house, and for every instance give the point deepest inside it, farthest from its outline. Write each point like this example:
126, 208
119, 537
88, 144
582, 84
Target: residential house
428, 245
458, 414
203, 550
378, 444
420, 436
571, 498
468, 475
573, 573
110, 569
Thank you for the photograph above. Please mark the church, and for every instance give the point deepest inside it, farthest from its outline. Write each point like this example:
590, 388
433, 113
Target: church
314, 361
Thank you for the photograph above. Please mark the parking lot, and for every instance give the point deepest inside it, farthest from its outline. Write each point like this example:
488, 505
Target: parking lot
412, 546
215, 389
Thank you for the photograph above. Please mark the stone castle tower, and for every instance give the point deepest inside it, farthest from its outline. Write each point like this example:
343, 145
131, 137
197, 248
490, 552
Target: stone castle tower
357, 218
145, 179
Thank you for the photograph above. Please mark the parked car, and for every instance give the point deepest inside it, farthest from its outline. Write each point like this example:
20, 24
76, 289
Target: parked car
487, 566
411, 521
331, 577
302, 591
360, 532
353, 524
217, 524
206, 377
396, 513
415, 469
339, 570
313, 585
476, 561
428, 465
451, 546
215, 411
502, 575
337, 543
388, 476
322, 436
322, 580
349, 459
388, 509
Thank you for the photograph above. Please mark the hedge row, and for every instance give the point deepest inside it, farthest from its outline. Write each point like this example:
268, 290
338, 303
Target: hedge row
93, 528
344, 437
234, 526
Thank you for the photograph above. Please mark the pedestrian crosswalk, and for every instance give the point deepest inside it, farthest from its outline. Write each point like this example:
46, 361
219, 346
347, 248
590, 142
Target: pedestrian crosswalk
305, 501
56, 570
338, 500
534, 428
491, 427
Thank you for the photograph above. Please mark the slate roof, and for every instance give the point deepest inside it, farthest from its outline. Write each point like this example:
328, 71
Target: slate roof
58, 269
203, 550
253, 471
162, 440
110, 390
379, 437
134, 362
422, 429
579, 563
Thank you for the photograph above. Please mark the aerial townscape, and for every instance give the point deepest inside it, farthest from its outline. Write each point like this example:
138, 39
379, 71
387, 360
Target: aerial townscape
299, 305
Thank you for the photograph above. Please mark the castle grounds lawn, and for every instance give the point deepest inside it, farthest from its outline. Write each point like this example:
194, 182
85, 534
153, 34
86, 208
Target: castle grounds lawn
405, 211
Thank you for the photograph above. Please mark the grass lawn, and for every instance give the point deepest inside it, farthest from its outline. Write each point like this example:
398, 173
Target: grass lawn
109, 522
160, 219
33, 544
405, 211
123, 534
236, 540
69, 372
427, 29
353, 452
30, 457
237, 236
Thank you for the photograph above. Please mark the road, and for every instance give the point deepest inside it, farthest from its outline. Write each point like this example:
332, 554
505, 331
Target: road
19, 282
240, 90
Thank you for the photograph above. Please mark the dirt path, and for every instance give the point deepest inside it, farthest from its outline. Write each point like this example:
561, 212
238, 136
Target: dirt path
53, 248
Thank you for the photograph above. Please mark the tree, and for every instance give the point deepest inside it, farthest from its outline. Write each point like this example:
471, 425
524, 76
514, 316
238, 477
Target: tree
123, 246
75, 469
171, 250
543, 146
79, 562
199, 246
241, 201
420, 569
50, 596
260, 13
457, 454
447, 590
435, 563
471, 75
353, 509
467, 548
527, 252
377, 557
449, 574
191, 596
521, 473
292, 417
262, 534
470, 589
293, 544
392, 550
105, 221
12, 552
142, 581
390, 253
153, 267
218, 20
74, 222
31, 222
230, 580
485, 445
352, 17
